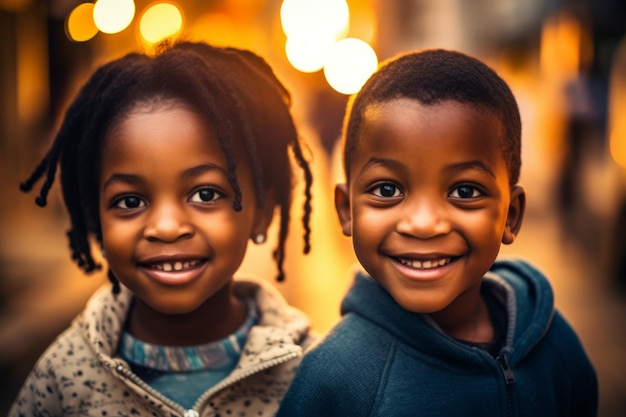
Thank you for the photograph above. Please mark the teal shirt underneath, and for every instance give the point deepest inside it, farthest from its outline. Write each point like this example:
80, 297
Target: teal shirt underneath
184, 373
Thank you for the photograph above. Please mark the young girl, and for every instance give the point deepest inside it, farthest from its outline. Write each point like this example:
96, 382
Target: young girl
172, 163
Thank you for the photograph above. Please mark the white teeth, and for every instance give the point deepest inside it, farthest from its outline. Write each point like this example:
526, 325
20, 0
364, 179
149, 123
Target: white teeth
429, 264
175, 266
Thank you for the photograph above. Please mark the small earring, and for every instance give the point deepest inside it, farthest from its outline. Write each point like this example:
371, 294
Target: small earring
260, 238
104, 253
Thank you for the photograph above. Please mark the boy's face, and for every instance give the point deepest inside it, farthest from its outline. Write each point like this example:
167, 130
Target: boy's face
429, 202
166, 210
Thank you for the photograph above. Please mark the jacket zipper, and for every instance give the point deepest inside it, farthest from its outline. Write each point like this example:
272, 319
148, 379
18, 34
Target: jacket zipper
128, 374
193, 412
509, 380
243, 375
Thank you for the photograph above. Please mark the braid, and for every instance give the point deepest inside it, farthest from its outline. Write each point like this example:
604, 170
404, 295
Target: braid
308, 178
27, 185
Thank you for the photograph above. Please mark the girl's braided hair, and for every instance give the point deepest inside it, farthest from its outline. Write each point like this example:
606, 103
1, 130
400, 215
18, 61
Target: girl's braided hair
233, 90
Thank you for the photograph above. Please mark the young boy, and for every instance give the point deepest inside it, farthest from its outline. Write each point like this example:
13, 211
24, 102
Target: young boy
435, 326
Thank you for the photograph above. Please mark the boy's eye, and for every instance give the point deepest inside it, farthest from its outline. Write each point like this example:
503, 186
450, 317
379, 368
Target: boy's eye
129, 202
465, 191
205, 195
386, 190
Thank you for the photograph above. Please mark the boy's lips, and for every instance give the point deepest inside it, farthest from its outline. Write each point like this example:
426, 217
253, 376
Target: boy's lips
423, 267
424, 264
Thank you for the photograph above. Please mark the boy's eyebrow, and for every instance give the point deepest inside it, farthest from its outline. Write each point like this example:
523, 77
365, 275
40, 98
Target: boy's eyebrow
188, 173
475, 164
390, 163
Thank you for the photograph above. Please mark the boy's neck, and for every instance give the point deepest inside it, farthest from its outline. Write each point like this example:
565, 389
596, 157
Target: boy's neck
471, 323
217, 318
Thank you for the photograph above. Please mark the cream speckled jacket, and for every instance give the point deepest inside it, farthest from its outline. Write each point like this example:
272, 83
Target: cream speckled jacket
80, 374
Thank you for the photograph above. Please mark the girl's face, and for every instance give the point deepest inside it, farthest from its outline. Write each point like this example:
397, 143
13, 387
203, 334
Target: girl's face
166, 209
429, 203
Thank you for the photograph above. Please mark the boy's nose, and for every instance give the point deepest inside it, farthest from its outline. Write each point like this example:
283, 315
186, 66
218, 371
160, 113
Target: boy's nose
167, 223
423, 220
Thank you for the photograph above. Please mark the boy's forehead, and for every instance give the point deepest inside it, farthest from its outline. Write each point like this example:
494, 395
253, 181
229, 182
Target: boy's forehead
390, 113
416, 127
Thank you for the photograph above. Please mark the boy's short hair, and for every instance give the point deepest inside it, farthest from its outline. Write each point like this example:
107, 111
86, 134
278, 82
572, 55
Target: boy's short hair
431, 77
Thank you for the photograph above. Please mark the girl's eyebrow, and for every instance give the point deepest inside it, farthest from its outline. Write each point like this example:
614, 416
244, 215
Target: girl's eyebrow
386, 163
201, 169
192, 172
130, 179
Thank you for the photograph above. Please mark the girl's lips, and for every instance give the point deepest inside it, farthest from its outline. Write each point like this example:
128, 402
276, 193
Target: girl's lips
178, 272
175, 265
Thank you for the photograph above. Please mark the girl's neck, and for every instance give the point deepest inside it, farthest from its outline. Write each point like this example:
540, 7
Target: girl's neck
218, 317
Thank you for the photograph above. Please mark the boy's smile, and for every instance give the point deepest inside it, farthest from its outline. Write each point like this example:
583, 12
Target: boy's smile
429, 203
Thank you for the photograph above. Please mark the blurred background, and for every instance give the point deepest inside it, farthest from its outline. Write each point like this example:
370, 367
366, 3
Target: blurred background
564, 60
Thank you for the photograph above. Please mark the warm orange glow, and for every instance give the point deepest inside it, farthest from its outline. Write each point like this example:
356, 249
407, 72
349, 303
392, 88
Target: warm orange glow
617, 106
80, 26
160, 21
363, 21
562, 40
31, 69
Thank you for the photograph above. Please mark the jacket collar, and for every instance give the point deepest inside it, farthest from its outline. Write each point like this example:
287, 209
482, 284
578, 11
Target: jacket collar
280, 330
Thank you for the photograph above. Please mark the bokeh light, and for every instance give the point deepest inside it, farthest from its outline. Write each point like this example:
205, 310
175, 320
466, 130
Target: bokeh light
349, 64
308, 53
113, 16
307, 17
79, 25
160, 21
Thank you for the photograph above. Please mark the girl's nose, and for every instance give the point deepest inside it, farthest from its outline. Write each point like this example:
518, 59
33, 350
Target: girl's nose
423, 218
168, 223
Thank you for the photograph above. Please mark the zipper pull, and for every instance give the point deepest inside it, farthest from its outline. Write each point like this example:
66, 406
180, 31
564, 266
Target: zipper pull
503, 361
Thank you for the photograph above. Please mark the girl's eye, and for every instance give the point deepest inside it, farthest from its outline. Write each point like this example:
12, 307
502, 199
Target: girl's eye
386, 190
465, 191
205, 195
129, 202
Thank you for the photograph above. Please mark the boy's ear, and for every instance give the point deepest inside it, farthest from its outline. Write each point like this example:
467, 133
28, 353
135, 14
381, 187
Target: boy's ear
342, 205
515, 215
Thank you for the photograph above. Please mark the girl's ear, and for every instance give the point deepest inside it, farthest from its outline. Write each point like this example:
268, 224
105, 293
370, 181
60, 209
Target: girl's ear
342, 205
263, 218
515, 215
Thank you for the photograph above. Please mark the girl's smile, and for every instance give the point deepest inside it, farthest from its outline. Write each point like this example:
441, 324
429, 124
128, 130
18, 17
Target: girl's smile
178, 270
169, 229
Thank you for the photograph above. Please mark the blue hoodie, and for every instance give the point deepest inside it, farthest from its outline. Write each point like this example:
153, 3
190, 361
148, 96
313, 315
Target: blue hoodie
382, 360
